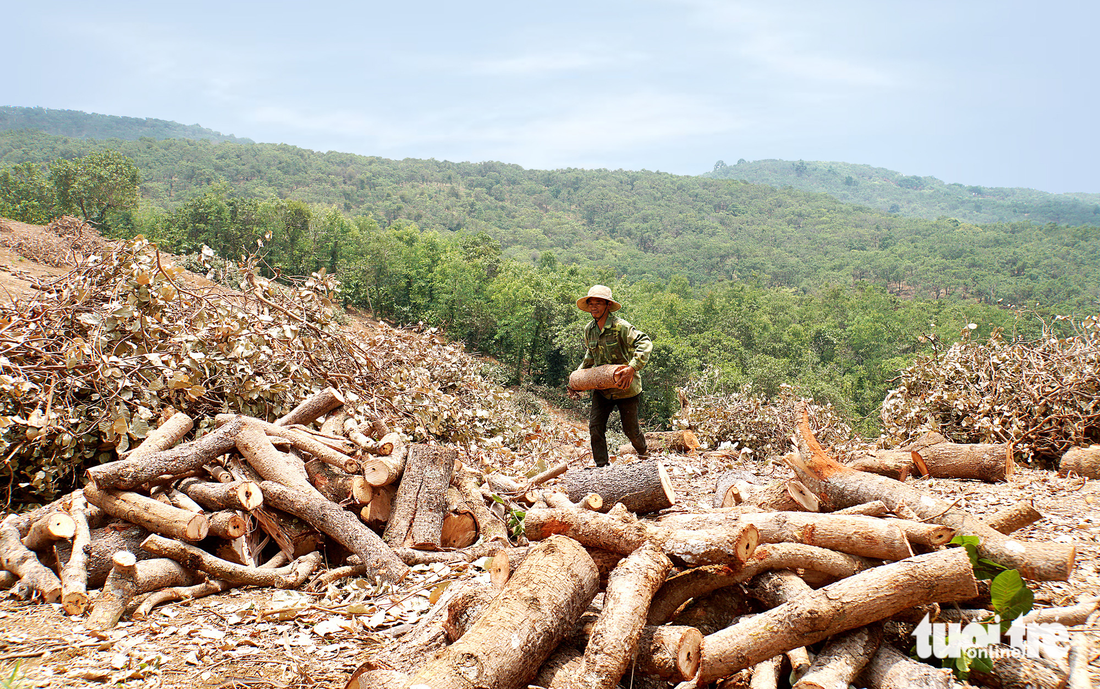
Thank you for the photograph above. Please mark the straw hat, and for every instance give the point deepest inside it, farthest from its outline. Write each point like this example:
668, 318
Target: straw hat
600, 292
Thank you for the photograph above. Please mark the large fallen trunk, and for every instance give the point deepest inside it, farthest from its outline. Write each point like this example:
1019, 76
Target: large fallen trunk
839, 486
615, 635
417, 517
983, 461
181, 460
341, 525
859, 600
537, 608
641, 486
149, 513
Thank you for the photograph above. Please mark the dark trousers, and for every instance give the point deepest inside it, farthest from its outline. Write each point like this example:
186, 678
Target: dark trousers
597, 424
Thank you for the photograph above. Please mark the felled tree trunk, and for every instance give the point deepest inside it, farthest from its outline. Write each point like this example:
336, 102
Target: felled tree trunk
1083, 461
489, 526
678, 442
595, 378
386, 468
21, 561
164, 436
843, 658
459, 527
1013, 518
104, 542
897, 464
183, 459
149, 513
859, 600
417, 517
312, 408
300, 440
641, 486
537, 608
270, 463
74, 574
341, 525
129, 578
48, 529
237, 495
891, 669
192, 557
839, 487
338, 486
784, 496
983, 461
695, 548
617, 631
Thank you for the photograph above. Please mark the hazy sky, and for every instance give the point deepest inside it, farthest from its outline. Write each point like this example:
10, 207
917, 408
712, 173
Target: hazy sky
991, 93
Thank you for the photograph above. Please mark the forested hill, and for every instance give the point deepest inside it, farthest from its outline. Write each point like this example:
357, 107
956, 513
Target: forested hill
915, 196
82, 125
634, 224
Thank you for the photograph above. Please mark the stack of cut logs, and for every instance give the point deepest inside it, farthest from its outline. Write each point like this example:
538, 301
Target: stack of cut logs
691, 597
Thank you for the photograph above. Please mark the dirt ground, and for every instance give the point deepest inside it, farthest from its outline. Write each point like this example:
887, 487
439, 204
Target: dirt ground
268, 638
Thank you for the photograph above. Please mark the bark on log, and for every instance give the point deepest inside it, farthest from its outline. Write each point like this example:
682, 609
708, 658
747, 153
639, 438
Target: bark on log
1083, 461
765, 674
299, 440
680, 442
641, 486
615, 635
1079, 658
186, 458
875, 508
164, 436
982, 461
333, 425
338, 486
538, 607
193, 558
272, 464
129, 578
592, 501
74, 574
227, 525
671, 652
417, 518
715, 611
867, 597
312, 408
1013, 518
690, 584
842, 659
341, 525
785, 496
696, 548
891, 669
1011, 672
618, 531
839, 487
104, 543
385, 469
491, 528
149, 513
378, 511
595, 378
21, 561
459, 524
56, 526
895, 464
234, 495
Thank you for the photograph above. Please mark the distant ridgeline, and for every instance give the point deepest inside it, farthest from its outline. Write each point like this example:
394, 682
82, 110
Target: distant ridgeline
914, 196
82, 125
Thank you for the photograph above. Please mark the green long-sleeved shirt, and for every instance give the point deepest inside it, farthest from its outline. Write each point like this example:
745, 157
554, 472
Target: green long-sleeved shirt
618, 343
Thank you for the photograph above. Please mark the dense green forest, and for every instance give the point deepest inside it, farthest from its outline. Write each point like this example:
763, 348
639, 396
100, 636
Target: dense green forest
82, 125
916, 196
740, 285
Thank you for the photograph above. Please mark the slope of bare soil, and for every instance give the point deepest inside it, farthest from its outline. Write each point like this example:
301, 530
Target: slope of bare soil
257, 637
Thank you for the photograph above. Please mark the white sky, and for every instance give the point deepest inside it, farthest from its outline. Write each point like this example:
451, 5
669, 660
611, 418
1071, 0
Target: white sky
975, 91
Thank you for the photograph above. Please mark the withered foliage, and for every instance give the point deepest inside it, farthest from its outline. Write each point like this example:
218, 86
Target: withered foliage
77, 238
90, 365
1043, 396
762, 427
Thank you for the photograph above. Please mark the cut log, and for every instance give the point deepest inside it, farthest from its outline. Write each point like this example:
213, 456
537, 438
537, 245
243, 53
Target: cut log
670, 651
270, 463
378, 511
891, 669
784, 496
1082, 461
592, 501
299, 440
676, 442
227, 524
459, 527
104, 543
48, 529
840, 487
312, 408
149, 513
896, 464
1079, 658
208, 587
129, 578
616, 633
1013, 518
21, 561
183, 459
641, 486
341, 525
875, 508
765, 674
595, 378
385, 469
919, 533
715, 611
465, 608
538, 607
74, 574
842, 659
859, 600
164, 436
491, 528
338, 486
695, 548
417, 517
233, 495
991, 463
619, 531
290, 577
333, 425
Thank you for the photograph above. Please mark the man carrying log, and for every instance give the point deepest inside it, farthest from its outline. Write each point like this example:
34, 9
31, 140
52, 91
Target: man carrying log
610, 340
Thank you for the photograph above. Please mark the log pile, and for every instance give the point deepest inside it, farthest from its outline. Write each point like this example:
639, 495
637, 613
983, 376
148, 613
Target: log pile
602, 579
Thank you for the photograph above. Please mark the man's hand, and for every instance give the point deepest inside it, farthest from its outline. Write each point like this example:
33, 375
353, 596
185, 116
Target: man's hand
624, 376
573, 394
